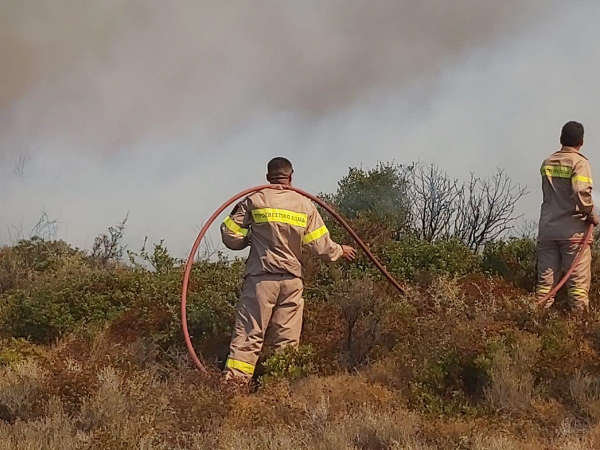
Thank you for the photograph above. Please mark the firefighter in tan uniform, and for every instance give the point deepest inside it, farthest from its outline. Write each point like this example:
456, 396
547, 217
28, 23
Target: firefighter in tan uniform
567, 211
276, 224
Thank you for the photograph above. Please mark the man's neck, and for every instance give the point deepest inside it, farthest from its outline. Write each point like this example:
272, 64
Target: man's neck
281, 182
566, 148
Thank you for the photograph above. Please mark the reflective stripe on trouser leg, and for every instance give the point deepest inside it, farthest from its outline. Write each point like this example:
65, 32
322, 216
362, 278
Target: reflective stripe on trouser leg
286, 322
549, 267
259, 296
578, 284
241, 366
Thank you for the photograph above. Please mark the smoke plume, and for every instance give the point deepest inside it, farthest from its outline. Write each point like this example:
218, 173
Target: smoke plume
160, 109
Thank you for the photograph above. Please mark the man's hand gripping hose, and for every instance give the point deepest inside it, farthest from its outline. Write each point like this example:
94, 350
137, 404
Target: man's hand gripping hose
587, 239
218, 212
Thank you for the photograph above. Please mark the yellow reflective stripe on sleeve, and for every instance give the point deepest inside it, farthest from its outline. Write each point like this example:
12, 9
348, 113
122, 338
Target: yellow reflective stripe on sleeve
240, 365
543, 289
557, 171
314, 235
279, 215
582, 179
234, 227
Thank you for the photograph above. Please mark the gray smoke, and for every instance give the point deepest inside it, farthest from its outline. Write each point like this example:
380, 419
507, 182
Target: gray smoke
163, 108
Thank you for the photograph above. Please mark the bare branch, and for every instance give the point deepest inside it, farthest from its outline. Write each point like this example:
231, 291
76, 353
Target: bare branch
20, 167
434, 201
107, 247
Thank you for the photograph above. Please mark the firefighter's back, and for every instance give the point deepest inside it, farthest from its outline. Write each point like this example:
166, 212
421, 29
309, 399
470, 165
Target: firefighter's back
279, 218
560, 217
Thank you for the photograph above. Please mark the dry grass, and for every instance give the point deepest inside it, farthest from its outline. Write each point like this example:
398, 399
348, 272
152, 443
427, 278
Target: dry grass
585, 391
166, 406
511, 387
464, 364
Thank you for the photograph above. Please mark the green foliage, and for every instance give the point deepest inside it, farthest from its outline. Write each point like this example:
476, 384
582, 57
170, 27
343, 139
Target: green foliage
411, 257
443, 385
50, 310
15, 350
513, 259
31, 259
160, 260
291, 363
379, 195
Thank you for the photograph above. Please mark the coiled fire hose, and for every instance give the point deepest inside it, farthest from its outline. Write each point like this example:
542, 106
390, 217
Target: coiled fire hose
217, 213
587, 239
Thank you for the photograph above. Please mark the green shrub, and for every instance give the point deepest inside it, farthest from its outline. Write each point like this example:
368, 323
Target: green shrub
291, 363
445, 385
411, 257
24, 263
513, 259
52, 309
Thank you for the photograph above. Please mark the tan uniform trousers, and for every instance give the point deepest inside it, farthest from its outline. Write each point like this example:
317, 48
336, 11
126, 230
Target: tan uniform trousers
554, 259
273, 300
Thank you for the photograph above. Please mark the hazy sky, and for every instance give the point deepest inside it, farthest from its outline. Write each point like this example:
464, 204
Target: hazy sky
165, 109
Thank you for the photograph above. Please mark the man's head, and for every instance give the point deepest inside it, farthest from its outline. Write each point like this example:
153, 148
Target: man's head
279, 171
572, 135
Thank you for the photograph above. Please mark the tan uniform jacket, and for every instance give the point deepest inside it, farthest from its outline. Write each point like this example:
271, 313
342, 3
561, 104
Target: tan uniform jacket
277, 223
567, 190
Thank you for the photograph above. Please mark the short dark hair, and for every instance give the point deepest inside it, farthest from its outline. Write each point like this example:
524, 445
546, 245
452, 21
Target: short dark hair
279, 168
572, 134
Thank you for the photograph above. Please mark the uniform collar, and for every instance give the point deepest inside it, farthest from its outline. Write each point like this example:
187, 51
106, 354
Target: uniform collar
566, 149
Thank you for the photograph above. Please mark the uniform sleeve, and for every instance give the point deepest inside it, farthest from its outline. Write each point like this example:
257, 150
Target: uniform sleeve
318, 240
582, 186
235, 227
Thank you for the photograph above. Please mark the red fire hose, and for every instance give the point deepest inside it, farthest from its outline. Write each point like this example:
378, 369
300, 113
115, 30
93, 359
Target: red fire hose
217, 213
586, 241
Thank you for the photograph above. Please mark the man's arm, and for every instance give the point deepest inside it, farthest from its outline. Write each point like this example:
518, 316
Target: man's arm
234, 229
319, 242
582, 189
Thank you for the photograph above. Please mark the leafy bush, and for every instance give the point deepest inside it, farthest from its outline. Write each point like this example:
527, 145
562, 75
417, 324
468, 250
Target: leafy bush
513, 259
50, 310
440, 388
291, 363
379, 194
31, 259
411, 257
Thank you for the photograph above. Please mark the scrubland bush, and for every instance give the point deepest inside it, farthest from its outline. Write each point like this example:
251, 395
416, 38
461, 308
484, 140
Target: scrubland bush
511, 379
412, 258
513, 259
440, 367
91, 353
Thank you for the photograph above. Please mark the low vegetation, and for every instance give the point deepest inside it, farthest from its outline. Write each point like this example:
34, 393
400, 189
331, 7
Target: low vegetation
92, 356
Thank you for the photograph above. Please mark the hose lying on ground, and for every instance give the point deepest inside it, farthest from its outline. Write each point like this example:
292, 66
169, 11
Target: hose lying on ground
217, 213
585, 241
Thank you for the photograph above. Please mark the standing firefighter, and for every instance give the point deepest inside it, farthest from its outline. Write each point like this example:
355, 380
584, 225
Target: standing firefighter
276, 224
567, 211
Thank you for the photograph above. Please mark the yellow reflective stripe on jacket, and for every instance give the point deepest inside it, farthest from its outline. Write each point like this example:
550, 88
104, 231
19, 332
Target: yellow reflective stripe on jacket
557, 171
582, 179
279, 215
234, 227
240, 365
314, 235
